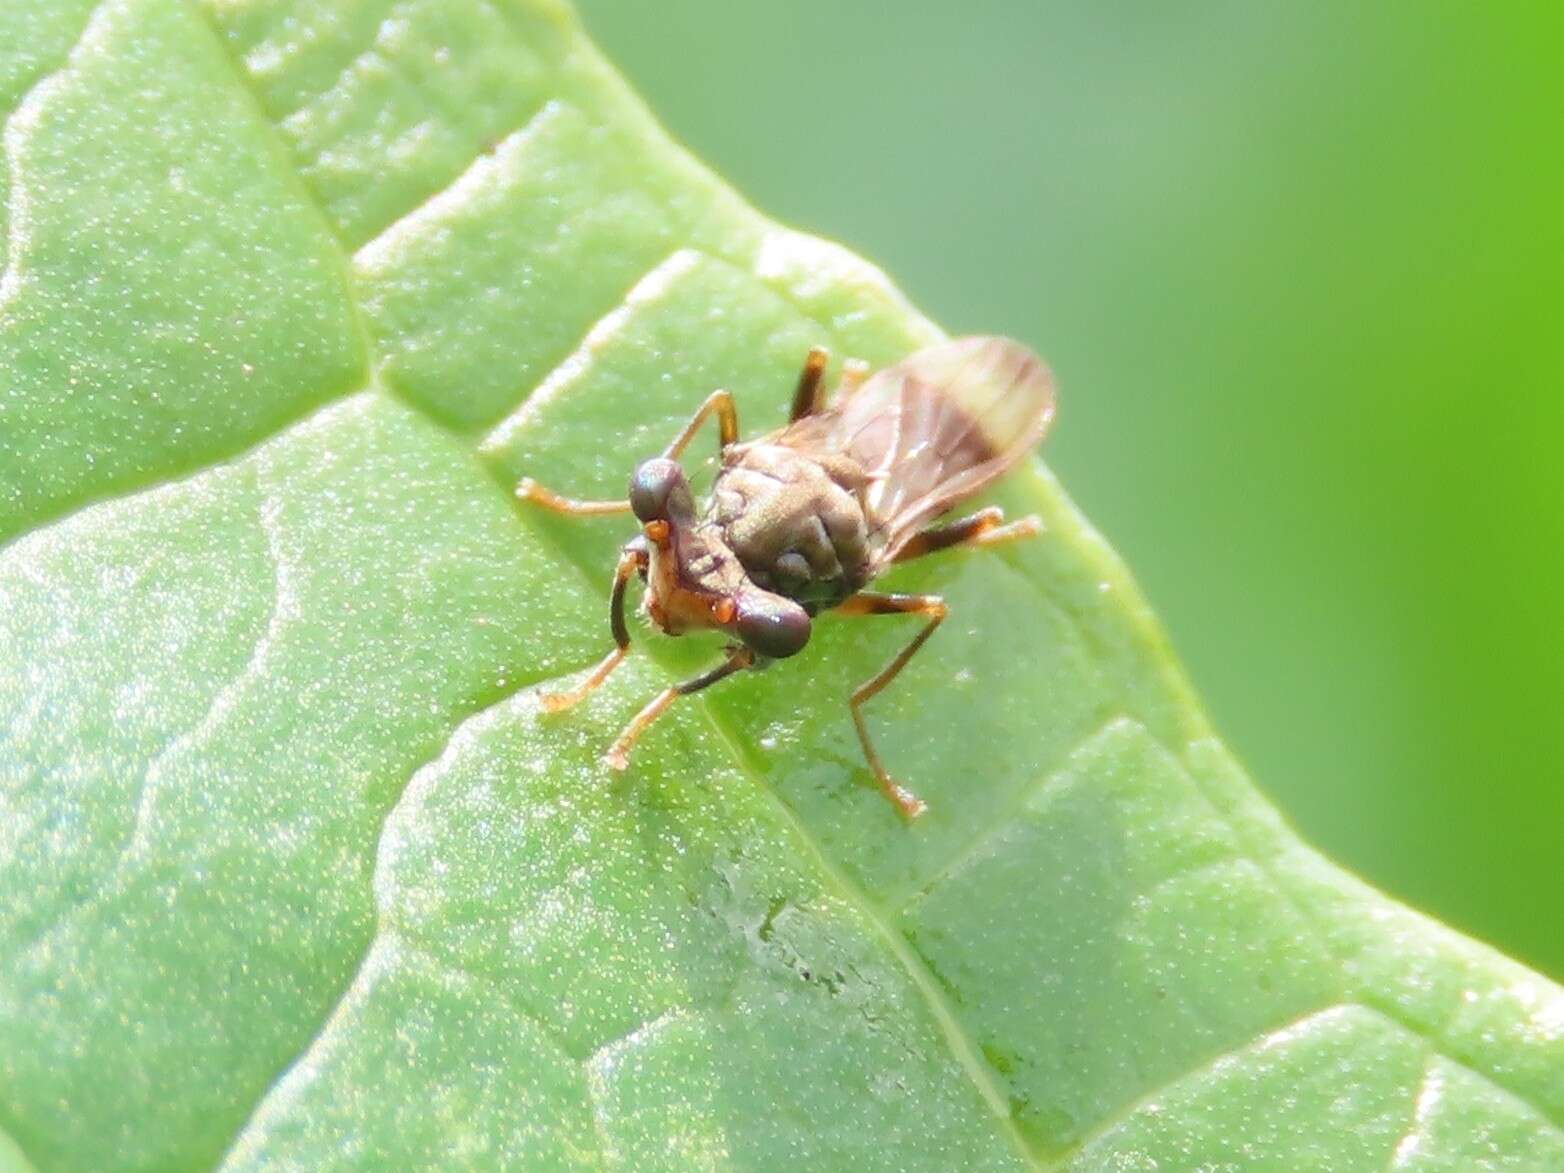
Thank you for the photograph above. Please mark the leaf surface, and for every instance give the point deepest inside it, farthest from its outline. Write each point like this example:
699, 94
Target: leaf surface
294, 874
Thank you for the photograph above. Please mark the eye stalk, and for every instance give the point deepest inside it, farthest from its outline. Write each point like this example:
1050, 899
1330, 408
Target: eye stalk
659, 492
770, 625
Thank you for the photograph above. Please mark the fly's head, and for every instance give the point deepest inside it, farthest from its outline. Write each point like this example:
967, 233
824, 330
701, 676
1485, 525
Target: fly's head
693, 581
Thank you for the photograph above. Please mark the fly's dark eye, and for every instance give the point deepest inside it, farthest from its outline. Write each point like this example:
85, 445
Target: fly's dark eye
772, 626
652, 485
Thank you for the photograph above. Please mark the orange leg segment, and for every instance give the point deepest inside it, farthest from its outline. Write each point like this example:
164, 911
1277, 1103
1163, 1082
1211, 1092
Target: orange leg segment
618, 755
986, 527
870, 603
718, 402
806, 400
630, 561
528, 489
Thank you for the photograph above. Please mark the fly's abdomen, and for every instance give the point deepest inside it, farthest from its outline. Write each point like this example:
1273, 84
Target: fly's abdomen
792, 524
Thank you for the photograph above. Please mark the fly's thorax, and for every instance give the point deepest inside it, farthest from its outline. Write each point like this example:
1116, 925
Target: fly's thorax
795, 523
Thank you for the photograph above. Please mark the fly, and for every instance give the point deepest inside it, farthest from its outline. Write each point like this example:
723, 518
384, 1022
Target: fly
803, 520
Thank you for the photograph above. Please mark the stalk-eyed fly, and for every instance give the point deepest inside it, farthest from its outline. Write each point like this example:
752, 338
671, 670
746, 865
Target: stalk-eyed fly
802, 520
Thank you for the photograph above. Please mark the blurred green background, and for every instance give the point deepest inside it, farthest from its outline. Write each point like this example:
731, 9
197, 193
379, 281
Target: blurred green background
1300, 268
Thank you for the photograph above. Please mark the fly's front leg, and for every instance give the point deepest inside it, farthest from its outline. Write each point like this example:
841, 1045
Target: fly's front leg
618, 755
720, 402
632, 559
870, 603
986, 527
528, 489
806, 399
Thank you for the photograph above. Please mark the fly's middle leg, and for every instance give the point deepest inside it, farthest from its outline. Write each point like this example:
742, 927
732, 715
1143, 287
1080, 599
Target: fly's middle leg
870, 603
986, 527
809, 397
719, 403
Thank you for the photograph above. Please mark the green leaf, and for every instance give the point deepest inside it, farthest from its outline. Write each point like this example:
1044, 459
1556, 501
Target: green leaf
293, 873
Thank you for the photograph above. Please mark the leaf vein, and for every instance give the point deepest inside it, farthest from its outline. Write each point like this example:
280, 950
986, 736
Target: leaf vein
379, 929
1208, 1063
10, 282
48, 73
1363, 991
17, 211
646, 290
923, 981
376, 249
1111, 569
340, 251
281, 611
1428, 1088
1005, 819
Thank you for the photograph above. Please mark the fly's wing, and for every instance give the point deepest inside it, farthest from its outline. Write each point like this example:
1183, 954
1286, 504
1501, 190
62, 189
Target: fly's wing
934, 428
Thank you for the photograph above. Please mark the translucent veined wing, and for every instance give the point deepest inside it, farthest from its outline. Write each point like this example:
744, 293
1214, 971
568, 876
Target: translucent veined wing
938, 426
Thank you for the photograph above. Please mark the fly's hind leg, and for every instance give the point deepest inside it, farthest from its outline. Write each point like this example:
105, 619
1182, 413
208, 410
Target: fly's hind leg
808, 398
869, 603
986, 527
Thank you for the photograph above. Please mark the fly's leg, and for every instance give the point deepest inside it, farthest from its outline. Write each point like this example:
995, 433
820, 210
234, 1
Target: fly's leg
806, 400
528, 489
632, 559
870, 603
618, 755
854, 372
720, 402
986, 527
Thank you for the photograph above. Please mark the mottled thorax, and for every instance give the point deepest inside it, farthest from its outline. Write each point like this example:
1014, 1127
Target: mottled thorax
794, 522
